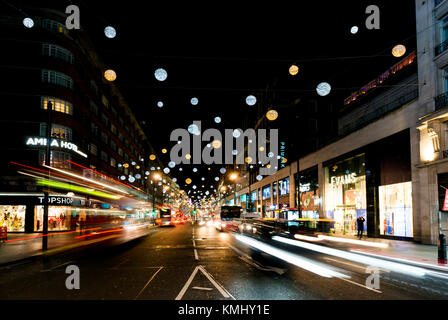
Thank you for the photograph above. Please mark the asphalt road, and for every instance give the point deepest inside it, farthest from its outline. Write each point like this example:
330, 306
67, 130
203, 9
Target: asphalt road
189, 262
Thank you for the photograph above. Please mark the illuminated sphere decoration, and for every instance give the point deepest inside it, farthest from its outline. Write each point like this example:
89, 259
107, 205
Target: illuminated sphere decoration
110, 32
188, 181
28, 22
195, 169
236, 133
216, 178
259, 177
126, 165
270, 154
217, 119
188, 157
152, 157
354, 30
323, 89
222, 170
171, 164
251, 100
138, 176
216, 144
160, 104
194, 101
131, 179
110, 75
398, 51
248, 159
293, 70
193, 129
272, 115
123, 177
161, 74
164, 151
166, 170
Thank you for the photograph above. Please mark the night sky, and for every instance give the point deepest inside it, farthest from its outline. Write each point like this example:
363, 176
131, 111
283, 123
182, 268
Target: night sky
222, 51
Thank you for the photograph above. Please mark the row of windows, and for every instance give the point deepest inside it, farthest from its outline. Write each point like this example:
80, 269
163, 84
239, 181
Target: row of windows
54, 26
52, 50
57, 105
58, 159
57, 131
58, 78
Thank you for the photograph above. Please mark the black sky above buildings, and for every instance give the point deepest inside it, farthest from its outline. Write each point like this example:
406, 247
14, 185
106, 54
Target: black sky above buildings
223, 51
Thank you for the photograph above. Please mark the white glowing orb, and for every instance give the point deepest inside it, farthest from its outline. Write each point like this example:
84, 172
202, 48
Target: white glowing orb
160, 104
174, 180
217, 119
222, 170
323, 89
194, 187
131, 179
28, 22
123, 177
195, 169
193, 129
161, 74
236, 133
234, 152
194, 101
251, 100
171, 164
138, 176
216, 178
259, 177
354, 30
110, 32
270, 154
147, 173
166, 170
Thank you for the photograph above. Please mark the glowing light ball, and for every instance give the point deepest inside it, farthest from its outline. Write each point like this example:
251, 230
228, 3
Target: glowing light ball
160, 104
217, 120
164, 151
133, 163
354, 30
138, 176
166, 170
123, 177
251, 100
28, 22
110, 75
216, 178
161, 74
222, 170
188, 181
323, 89
152, 157
398, 51
259, 177
131, 179
174, 180
234, 152
126, 165
293, 70
236, 133
248, 160
188, 157
195, 169
194, 101
110, 32
284, 160
261, 149
193, 129
194, 187
216, 144
272, 115
171, 164
147, 173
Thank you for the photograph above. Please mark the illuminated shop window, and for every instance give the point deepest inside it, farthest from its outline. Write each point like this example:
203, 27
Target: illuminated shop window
52, 50
57, 131
59, 218
113, 162
58, 78
58, 105
13, 217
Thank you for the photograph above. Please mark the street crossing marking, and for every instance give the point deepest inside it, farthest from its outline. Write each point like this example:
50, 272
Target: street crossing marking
202, 288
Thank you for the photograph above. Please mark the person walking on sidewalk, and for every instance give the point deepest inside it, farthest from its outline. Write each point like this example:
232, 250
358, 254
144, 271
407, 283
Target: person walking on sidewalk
360, 223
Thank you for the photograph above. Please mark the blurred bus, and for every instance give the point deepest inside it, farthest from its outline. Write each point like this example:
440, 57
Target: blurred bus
166, 217
228, 218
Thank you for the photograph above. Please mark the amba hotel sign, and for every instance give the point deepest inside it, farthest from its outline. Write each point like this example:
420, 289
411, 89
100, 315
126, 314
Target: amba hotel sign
55, 143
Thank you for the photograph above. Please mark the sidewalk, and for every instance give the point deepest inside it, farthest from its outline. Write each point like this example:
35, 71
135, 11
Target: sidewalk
21, 246
403, 251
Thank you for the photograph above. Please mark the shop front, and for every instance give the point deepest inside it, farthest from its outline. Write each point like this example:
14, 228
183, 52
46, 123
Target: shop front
307, 189
283, 193
13, 217
345, 194
266, 202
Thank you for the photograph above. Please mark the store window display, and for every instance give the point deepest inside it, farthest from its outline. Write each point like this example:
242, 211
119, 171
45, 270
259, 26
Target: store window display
13, 217
58, 218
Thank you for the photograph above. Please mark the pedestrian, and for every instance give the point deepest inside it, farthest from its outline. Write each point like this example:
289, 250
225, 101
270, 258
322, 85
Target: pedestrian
360, 223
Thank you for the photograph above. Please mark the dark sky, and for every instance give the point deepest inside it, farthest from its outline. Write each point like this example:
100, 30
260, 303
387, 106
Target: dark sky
222, 51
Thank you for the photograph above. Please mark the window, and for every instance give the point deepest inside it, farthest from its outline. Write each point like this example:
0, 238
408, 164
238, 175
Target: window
93, 108
113, 145
94, 129
267, 192
54, 26
120, 152
113, 129
57, 78
104, 137
58, 159
93, 149
104, 156
52, 50
57, 131
113, 162
104, 120
283, 187
57, 105
105, 101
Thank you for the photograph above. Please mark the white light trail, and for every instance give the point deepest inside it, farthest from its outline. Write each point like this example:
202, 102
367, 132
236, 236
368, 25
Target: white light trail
354, 241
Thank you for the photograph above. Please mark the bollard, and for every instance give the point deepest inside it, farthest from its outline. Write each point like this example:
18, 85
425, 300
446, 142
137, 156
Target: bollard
442, 249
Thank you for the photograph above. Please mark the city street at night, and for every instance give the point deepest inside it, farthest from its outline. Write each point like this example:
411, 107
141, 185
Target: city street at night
220, 160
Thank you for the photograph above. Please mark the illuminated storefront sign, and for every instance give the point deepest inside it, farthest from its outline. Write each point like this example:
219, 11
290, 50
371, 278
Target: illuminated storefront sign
378, 81
345, 179
57, 200
55, 143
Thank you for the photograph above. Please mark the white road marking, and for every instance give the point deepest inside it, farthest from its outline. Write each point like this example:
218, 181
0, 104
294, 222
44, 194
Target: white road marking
347, 263
196, 256
147, 283
187, 284
53, 268
360, 285
202, 288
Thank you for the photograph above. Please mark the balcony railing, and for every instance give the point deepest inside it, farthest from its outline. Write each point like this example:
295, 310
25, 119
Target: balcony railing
441, 48
437, 2
441, 101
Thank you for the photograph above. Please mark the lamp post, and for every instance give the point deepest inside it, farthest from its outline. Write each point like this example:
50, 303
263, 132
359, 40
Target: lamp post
47, 163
